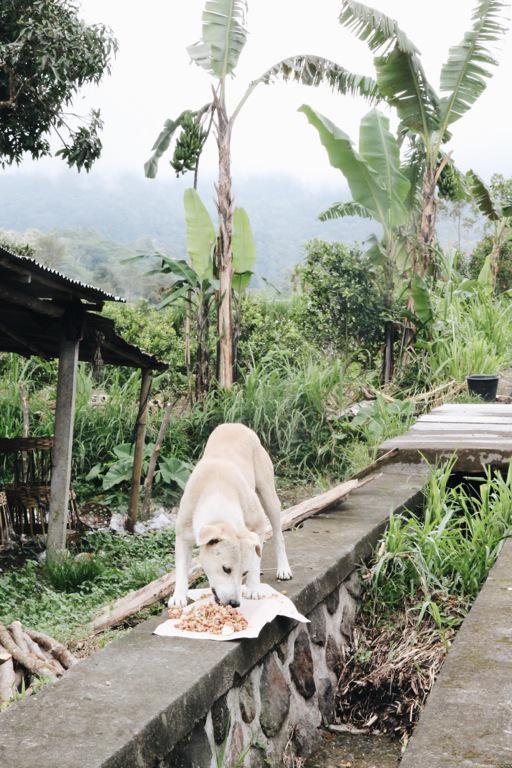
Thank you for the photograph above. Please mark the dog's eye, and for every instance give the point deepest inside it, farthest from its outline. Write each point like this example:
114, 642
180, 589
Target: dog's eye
226, 570
245, 574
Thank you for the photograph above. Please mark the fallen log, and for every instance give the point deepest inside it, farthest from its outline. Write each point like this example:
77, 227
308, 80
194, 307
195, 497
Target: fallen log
157, 590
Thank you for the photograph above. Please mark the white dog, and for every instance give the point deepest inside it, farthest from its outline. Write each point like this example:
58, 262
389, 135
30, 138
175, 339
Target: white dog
223, 512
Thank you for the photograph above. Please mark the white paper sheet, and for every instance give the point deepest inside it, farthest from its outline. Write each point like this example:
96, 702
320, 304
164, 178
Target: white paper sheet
257, 612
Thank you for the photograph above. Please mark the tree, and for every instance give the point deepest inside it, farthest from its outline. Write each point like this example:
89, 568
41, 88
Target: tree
343, 307
499, 213
224, 34
381, 191
196, 283
425, 117
46, 55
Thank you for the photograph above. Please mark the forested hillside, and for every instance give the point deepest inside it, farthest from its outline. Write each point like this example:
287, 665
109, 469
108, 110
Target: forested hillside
90, 225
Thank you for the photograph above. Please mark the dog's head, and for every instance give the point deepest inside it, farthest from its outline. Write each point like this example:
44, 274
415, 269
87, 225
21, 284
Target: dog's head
226, 556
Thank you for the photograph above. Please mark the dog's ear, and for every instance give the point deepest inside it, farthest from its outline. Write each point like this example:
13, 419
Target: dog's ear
209, 534
254, 541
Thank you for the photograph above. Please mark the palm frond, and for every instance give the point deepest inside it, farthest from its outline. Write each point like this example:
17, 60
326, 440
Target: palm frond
374, 28
315, 71
340, 210
507, 207
224, 36
482, 197
465, 74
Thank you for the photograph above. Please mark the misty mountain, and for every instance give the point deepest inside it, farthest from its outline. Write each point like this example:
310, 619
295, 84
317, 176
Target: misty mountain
96, 223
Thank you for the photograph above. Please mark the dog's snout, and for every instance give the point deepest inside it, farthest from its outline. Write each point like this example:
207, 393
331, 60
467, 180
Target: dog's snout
234, 603
215, 596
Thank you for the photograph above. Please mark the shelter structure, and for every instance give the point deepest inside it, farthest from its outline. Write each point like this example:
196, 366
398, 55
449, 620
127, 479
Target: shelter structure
44, 313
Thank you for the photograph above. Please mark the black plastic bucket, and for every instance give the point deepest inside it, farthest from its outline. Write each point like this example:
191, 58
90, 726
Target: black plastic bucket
485, 385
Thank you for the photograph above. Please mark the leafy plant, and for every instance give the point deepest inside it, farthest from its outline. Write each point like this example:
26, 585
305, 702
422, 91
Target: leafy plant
68, 573
224, 35
47, 54
379, 186
425, 117
442, 555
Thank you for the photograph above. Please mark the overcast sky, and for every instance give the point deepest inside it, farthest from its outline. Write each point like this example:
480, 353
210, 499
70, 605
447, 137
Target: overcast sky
152, 79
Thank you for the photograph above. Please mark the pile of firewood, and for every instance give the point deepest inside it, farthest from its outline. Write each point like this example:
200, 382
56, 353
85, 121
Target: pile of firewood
27, 656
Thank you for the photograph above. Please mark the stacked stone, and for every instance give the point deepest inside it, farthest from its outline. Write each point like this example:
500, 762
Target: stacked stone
280, 705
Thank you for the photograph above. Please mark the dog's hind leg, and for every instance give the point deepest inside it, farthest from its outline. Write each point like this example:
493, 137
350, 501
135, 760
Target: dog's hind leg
183, 555
266, 490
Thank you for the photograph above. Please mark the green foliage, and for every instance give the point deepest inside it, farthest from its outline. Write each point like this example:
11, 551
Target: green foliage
382, 420
128, 562
343, 304
472, 333
68, 573
47, 53
118, 471
437, 560
480, 254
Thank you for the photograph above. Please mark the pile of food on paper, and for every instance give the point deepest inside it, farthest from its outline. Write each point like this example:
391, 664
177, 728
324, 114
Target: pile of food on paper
205, 620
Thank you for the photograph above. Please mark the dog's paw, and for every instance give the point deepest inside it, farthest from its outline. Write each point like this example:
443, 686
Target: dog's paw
284, 574
253, 593
177, 601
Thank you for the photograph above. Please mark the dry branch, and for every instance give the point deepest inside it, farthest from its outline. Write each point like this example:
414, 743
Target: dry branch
34, 665
7, 677
57, 650
157, 590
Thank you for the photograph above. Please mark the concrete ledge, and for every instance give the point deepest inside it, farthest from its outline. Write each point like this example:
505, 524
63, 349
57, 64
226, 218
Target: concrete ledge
467, 721
131, 704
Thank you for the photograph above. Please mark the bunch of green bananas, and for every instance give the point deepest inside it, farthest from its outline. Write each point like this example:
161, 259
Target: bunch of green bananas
448, 184
188, 145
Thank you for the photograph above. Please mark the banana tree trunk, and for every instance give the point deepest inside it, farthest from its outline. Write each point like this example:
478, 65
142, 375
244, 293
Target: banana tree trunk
388, 363
224, 249
427, 222
203, 355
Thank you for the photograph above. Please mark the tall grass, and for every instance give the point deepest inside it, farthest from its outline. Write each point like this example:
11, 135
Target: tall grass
293, 409
472, 334
436, 562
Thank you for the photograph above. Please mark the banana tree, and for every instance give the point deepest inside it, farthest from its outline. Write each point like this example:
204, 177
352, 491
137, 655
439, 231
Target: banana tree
499, 214
380, 191
224, 35
195, 282
425, 117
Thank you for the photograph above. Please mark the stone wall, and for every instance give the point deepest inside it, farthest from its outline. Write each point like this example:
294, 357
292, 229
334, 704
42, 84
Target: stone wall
275, 711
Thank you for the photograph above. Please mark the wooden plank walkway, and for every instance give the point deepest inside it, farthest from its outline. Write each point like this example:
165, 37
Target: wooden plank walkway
478, 434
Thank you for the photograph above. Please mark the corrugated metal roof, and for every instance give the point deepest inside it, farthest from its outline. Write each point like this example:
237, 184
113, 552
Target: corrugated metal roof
33, 267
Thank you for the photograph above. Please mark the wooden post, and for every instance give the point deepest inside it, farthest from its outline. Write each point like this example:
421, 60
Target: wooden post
62, 446
138, 454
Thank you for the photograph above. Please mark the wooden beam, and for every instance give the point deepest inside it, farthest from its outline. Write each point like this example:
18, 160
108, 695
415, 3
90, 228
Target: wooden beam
138, 454
21, 299
62, 446
32, 348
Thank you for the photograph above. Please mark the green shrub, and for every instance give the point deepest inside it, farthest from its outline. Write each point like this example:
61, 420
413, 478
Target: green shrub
479, 255
67, 573
343, 308
437, 560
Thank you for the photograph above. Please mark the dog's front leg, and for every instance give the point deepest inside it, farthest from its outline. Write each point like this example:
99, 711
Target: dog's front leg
252, 590
183, 558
